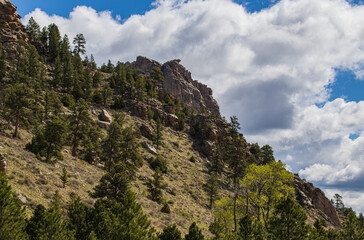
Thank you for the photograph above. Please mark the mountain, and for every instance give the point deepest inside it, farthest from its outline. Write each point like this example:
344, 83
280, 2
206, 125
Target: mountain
192, 130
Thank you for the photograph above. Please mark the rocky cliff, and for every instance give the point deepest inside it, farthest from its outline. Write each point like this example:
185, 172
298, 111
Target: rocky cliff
315, 202
179, 83
11, 28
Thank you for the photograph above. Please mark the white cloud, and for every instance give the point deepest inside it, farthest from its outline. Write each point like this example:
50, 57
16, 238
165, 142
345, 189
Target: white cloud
269, 68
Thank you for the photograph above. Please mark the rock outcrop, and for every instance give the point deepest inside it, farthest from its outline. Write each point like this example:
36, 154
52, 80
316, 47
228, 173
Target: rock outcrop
315, 202
179, 83
11, 27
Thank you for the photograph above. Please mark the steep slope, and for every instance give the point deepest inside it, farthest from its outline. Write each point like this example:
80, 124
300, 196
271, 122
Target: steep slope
36, 181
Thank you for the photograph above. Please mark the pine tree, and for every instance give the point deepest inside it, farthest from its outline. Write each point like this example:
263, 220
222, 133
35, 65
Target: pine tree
54, 42
79, 41
64, 49
17, 100
157, 74
33, 30
351, 228
194, 233
170, 233
212, 188
106, 93
288, 220
158, 133
155, 187
12, 215
64, 177
57, 74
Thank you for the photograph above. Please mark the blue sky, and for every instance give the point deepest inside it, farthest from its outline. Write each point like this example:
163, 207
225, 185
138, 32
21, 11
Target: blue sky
292, 73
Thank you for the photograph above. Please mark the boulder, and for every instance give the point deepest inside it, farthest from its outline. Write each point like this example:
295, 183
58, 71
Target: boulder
150, 147
105, 116
104, 125
146, 131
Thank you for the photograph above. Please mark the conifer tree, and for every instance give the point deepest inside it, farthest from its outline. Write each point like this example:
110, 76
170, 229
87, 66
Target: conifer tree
33, 30
79, 41
155, 187
170, 233
158, 133
64, 177
64, 48
34, 67
54, 40
157, 74
67, 73
17, 100
288, 220
194, 233
57, 74
12, 215
351, 228
43, 38
212, 188
2, 63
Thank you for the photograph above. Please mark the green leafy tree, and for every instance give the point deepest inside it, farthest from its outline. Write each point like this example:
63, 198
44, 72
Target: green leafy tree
170, 233
288, 220
155, 187
264, 185
79, 41
12, 215
17, 100
194, 233
246, 228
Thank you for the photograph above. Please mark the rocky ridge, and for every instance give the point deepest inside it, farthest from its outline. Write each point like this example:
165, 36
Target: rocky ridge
179, 83
11, 28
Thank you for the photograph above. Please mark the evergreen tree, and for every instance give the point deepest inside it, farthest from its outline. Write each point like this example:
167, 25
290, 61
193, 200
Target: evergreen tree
288, 220
158, 133
194, 233
351, 228
17, 100
212, 188
159, 164
170, 233
53, 105
106, 93
34, 68
121, 146
33, 30
57, 74
2, 63
114, 184
64, 177
12, 215
93, 63
79, 41
80, 218
267, 154
64, 49
338, 203
67, 73
43, 38
157, 74
155, 187
54, 40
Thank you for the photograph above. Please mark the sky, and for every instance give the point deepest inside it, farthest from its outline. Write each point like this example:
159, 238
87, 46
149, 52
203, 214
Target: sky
292, 71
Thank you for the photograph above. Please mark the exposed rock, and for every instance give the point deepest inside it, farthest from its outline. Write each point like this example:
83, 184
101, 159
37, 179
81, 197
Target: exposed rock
20, 196
179, 83
104, 125
11, 29
145, 64
105, 116
310, 197
209, 148
150, 148
146, 131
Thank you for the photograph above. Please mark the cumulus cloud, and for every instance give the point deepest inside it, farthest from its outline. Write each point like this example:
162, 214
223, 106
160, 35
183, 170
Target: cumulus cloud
271, 68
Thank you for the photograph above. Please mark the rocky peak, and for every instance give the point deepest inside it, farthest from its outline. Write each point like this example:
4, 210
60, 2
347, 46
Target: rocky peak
313, 199
179, 83
11, 28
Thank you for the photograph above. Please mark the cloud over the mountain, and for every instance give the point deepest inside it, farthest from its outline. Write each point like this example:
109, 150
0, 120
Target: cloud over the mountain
269, 68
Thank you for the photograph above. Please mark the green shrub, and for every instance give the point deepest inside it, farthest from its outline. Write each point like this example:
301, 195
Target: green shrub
67, 100
166, 208
159, 163
192, 159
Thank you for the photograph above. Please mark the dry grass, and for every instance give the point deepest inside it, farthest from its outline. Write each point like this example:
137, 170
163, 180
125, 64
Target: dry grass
37, 181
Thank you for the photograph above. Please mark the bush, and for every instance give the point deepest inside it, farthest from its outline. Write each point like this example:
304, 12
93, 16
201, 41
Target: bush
192, 159
166, 208
159, 163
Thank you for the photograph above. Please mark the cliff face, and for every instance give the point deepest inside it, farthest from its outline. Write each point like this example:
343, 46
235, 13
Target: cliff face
11, 28
179, 83
315, 202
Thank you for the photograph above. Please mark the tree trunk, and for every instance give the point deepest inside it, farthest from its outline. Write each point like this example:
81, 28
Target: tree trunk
16, 125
